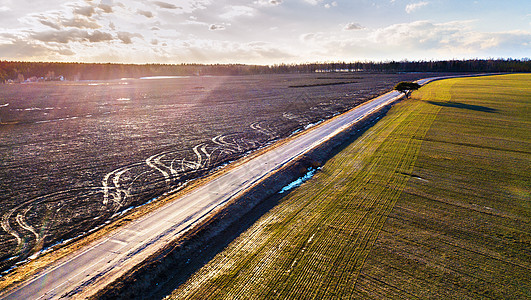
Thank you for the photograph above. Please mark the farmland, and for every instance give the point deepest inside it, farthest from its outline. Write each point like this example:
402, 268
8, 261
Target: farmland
431, 202
75, 155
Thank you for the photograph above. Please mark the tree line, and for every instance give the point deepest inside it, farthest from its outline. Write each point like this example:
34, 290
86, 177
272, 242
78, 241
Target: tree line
19, 70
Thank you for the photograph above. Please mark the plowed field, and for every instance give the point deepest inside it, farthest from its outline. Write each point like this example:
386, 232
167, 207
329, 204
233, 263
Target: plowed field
74, 155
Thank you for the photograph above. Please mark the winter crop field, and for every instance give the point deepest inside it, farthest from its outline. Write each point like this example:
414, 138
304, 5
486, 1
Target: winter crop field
75, 155
432, 202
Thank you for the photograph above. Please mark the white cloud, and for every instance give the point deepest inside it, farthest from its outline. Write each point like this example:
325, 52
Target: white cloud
268, 2
353, 26
126, 37
330, 5
136, 31
422, 34
25, 50
71, 35
415, 6
80, 23
194, 22
313, 2
105, 8
217, 27
166, 5
145, 13
51, 24
86, 11
230, 52
61, 21
238, 11
416, 40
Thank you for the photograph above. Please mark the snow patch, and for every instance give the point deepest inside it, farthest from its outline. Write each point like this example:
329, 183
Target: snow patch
299, 181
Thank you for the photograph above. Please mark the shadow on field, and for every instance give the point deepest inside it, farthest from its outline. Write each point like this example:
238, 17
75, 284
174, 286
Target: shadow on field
463, 106
173, 266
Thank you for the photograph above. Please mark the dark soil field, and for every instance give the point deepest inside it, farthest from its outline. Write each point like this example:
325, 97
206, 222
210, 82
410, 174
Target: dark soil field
74, 155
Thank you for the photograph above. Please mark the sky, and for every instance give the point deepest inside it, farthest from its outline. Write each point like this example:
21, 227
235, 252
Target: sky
262, 31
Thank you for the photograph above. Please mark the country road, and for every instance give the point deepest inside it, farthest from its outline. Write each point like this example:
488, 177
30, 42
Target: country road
114, 255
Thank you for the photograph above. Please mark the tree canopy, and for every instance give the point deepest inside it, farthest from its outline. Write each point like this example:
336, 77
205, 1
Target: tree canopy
406, 87
10, 70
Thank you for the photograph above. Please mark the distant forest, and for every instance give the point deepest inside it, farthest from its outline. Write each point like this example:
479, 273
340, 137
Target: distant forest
13, 71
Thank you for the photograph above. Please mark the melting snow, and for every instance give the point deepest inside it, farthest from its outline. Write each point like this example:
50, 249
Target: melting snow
299, 181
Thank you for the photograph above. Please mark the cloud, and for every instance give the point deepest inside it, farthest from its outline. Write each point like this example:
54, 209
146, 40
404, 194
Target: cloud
268, 2
22, 49
216, 27
58, 20
97, 36
420, 34
71, 35
238, 11
194, 22
230, 52
126, 37
330, 5
166, 5
105, 8
86, 11
415, 6
353, 26
313, 2
62, 37
415, 40
59, 28
450, 40
145, 13
50, 24
80, 23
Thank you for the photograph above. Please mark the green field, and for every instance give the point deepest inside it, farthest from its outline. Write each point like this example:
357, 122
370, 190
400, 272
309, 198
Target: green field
433, 201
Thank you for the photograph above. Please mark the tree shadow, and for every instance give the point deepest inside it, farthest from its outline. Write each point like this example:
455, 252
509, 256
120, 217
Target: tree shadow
463, 106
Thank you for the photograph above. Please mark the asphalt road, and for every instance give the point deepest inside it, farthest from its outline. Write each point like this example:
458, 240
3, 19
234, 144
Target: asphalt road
117, 253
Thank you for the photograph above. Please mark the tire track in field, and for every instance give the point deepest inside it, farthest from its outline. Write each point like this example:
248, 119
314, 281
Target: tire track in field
15, 221
265, 131
122, 185
171, 166
114, 184
154, 163
22, 222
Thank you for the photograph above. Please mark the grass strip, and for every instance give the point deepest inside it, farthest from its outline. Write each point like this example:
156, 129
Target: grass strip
461, 229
